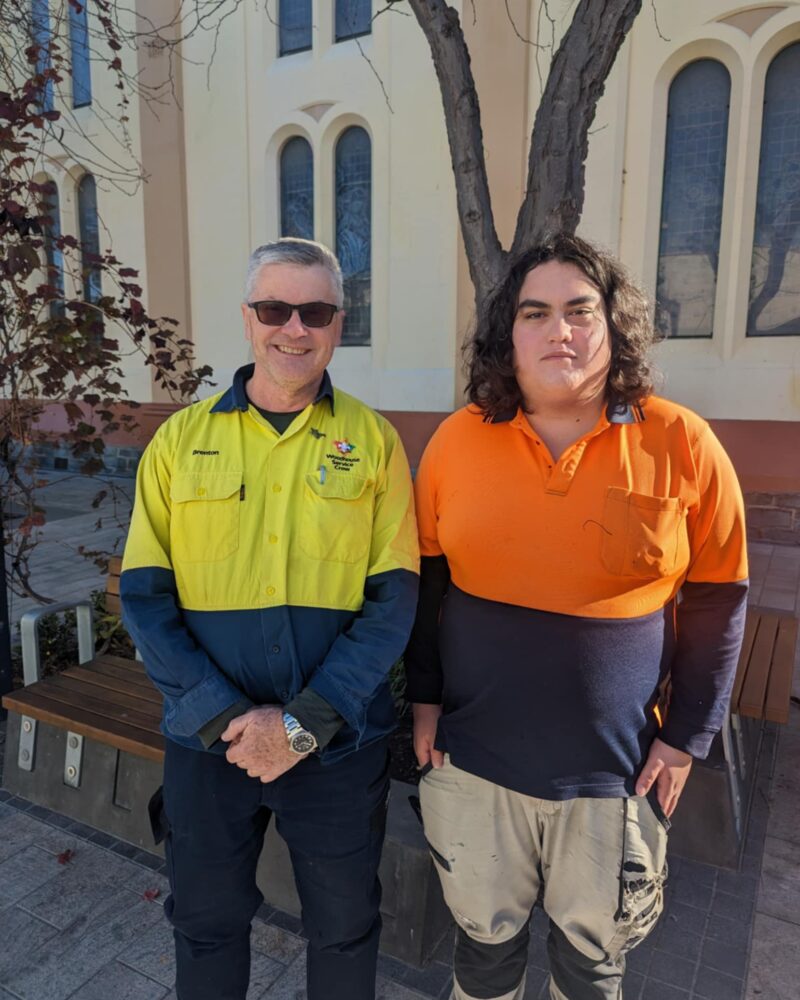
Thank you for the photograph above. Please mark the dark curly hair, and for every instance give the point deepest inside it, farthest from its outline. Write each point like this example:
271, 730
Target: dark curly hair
489, 353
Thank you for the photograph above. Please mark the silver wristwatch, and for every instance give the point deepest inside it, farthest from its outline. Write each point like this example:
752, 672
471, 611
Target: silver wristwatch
301, 741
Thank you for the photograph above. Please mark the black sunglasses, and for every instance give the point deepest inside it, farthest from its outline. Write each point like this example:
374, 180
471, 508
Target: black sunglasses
271, 312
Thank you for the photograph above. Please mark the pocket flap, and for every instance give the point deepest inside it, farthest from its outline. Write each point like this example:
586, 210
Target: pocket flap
204, 486
644, 501
336, 486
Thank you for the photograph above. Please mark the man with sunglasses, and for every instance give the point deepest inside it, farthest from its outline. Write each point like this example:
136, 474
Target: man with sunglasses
270, 582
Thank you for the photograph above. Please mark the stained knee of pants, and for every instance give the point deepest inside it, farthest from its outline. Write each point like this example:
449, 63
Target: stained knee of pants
485, 970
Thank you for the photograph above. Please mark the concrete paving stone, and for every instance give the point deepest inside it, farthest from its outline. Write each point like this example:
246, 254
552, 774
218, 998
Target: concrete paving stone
121, 983
287, 921
639, 959
291, 984
153, 954
75, 955
694, 871
714, 985
20, 933
678, 940
78, 887
263, 973
684, 915
727, 905
429, 981
24, 872
735, 932
724, 957
653, 990
685, 890
17, 830
737, 883
274, 942
671, 969
386, 989
632, 986
142, 880
779, 893
774, 960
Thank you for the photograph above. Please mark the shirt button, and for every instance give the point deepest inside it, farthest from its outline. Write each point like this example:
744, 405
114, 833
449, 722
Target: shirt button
270, 591
201, 491
276, 649
273, 539
276, 487
284, 696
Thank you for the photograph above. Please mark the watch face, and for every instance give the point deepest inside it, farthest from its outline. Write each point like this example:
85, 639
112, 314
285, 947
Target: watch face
303, 743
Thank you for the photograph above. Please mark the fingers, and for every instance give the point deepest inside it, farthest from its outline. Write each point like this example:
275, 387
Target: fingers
651, 770
422, 751
235, 728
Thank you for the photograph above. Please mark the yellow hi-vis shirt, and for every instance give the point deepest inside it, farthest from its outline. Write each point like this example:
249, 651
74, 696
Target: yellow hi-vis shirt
259, 564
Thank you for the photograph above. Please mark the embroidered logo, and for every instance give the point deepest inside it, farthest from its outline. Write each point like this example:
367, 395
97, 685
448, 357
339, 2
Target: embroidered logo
344, 447
197, 451
315, 433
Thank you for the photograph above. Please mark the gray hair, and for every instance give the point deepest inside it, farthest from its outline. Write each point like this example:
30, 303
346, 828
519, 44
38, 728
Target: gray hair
293, 250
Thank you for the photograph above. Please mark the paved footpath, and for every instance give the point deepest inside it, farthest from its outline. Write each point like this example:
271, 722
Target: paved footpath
93, 928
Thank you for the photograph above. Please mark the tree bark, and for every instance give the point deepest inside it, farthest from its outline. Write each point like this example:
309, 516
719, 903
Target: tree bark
462, 114
560, 141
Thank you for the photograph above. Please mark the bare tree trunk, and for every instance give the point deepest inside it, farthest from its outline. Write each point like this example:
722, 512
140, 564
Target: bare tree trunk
560, 140
462, 115
559, 144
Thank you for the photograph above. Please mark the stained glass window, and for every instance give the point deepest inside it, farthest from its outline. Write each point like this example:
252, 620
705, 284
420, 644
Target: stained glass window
40, 32
353, 17
775, 273
79, 55
297, 189
691, 206
90, 237
53, 254
354, 230
294, 18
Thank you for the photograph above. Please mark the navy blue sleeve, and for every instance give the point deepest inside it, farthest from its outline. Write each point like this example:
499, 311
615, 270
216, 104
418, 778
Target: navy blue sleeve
710, 626
422, 661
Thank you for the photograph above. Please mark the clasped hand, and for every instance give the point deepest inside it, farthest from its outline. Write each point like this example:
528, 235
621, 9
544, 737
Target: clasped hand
258, 743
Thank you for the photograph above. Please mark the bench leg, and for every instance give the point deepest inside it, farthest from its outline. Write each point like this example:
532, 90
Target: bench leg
73, 760
736, 725
730, 760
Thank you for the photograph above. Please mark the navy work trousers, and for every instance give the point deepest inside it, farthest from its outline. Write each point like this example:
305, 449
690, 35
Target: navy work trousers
333, 819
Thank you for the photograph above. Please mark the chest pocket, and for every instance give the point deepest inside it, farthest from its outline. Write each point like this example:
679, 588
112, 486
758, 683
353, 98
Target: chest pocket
643, 536
205, 516
337, 518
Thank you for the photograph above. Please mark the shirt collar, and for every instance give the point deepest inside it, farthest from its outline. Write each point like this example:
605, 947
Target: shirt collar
235, 398
622, 413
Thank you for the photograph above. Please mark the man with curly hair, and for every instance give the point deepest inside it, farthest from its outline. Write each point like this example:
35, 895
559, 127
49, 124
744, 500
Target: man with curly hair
561, 685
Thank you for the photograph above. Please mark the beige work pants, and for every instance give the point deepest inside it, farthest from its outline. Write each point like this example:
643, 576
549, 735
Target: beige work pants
601, 864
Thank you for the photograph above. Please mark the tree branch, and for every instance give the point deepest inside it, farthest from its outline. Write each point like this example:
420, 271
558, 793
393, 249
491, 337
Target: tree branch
559, 144
440, 23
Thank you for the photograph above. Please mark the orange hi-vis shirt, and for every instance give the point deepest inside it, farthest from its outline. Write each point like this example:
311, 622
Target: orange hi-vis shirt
611, 529
561, 622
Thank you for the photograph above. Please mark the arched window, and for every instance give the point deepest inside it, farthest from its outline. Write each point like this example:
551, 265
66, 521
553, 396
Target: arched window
297, 189
353, 17
53, 256
79, 56
294, 18
691, 206
90, 238
354, 230
40, 35
774, 309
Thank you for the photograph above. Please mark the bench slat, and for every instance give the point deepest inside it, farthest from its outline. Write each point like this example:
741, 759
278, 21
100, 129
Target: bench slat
73, 702
750, 628
83, 693
134, 667
779, 691
137, 680
751, 701
113, 604
141, 742
104, 676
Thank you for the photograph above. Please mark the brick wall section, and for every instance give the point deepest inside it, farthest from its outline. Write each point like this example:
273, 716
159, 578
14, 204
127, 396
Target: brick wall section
773, 517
